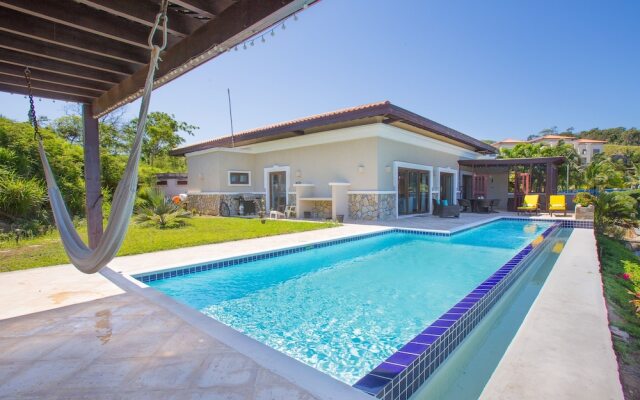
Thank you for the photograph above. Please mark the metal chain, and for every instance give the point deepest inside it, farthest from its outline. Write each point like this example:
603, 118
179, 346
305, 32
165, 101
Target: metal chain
32, 108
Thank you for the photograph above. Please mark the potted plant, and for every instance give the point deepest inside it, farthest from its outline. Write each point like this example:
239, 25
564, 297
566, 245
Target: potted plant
260, 205
584, 202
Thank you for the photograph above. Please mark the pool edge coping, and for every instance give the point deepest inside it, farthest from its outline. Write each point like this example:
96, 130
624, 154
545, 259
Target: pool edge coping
266, 355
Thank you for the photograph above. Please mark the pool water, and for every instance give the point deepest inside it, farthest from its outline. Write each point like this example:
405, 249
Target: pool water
343, 309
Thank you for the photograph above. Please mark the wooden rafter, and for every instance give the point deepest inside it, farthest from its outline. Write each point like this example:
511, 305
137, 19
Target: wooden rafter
56, 88
50, 32
23, 59
144, 12
81, 17
47, 50
44, 93
52, 77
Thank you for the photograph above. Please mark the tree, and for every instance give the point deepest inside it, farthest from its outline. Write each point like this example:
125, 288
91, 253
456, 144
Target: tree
602, 174
68, 127
161, 134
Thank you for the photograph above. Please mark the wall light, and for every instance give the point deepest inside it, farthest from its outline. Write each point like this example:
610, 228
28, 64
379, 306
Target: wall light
298, 174
387, 168
360, 168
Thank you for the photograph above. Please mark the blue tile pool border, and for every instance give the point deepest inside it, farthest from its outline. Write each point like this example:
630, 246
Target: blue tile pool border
402, 373
147, 277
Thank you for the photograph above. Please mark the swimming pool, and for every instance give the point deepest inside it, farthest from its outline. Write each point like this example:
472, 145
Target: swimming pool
345, 308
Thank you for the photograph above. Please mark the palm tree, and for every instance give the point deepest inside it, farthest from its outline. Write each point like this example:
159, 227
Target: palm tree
157, 210
601, 174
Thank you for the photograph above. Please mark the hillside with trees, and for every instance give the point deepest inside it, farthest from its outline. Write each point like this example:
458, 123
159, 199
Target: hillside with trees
23, 197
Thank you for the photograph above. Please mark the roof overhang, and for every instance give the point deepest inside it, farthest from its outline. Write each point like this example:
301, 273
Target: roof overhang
507, 162
384, 112
95, 51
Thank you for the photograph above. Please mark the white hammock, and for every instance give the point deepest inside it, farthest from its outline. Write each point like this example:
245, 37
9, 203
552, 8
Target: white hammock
89, 260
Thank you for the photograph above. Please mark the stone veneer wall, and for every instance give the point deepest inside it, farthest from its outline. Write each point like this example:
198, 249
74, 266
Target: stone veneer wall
321, 209
372, 206
209, 204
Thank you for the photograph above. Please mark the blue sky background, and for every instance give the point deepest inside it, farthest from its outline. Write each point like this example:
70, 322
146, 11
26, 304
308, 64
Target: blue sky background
492, 69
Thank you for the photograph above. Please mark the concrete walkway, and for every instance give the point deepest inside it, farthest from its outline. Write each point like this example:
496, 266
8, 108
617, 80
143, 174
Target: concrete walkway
563, 349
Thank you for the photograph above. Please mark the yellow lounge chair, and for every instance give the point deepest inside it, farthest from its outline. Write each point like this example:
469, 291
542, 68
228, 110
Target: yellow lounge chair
557, 202
529, 204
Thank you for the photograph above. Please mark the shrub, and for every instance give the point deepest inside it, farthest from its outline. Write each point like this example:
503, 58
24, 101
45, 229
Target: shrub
615, 210
20, 198
584, 199
155, 209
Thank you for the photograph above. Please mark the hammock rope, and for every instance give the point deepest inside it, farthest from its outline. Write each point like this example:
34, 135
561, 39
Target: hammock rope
82, 257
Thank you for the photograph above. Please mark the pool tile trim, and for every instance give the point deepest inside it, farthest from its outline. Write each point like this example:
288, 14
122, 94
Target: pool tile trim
202, 267
408, 368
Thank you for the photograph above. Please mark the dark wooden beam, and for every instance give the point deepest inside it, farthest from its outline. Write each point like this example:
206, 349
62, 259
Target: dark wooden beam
81, 17
235, 24
144, 12
51, 77
92, 176
50, 32
299, 132
44, 94
203, 7
390, 120
48, 50
73, 91
23, 59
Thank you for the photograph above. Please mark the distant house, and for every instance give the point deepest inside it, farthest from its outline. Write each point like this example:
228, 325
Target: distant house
586, 148
371, 162
172, 184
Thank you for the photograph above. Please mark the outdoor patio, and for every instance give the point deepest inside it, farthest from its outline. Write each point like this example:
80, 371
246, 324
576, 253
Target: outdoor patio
69, 335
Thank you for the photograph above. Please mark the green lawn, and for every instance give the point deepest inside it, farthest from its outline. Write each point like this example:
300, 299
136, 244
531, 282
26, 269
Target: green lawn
47, 250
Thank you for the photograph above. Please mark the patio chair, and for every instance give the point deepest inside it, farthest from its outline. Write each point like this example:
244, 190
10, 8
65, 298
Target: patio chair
530, 204
445, 211
278, 213
465, 204
557, 202
484, 206
494, 203
289, 211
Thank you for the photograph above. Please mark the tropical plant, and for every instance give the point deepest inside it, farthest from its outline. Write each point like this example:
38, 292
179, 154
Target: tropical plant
154, 209
602, 174
584, 199
20, 198
615, 210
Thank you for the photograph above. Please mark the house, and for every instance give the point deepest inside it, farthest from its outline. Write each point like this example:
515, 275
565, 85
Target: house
507, 143
371, 162
586, 148
172, 184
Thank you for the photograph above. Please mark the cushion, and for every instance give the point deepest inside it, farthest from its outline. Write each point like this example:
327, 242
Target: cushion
445, 202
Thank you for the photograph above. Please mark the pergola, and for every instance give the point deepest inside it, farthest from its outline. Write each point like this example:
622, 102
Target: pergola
95, 52
545, 166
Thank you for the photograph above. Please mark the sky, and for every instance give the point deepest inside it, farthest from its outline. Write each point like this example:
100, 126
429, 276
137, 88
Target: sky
491, 69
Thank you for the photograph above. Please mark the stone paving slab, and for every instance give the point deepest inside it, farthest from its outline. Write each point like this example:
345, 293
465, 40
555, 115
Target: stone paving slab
125, 346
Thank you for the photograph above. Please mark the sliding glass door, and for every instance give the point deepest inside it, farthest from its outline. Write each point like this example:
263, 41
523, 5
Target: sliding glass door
413, 191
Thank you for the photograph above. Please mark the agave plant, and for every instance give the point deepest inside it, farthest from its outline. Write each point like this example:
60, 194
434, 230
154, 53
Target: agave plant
154, 209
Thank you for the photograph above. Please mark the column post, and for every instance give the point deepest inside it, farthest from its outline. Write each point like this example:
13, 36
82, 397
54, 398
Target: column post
92, 176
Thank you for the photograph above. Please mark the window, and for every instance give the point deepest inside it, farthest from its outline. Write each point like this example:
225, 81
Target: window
239, 178
161, 183
584, 152
596, 151
182, 183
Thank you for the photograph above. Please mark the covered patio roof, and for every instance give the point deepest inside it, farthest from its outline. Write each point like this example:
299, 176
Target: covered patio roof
95, 51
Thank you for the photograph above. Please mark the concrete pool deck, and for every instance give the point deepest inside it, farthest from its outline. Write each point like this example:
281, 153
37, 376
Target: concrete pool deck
62, 331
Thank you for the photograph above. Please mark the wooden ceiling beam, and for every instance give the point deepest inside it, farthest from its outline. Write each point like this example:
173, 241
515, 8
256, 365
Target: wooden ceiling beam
47, 50
79, 16
235, 24
36, 84
203, 7
50, 32
47, 94
50, 77
144, 12
23, 59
